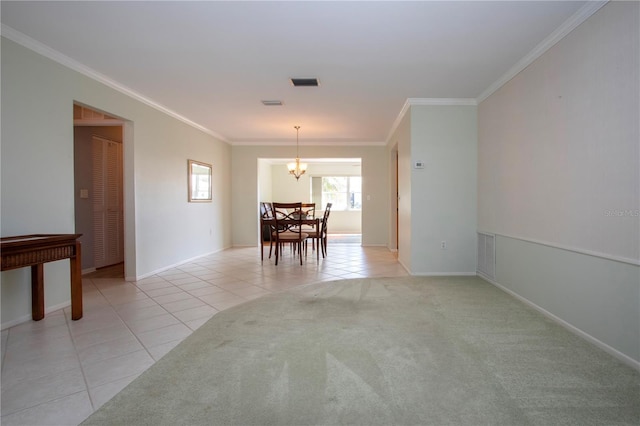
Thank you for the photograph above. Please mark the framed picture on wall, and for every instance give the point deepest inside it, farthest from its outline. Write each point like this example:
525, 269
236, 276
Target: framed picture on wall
199, 181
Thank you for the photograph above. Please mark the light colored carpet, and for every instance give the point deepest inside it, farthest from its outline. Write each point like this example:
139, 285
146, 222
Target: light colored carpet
387, 351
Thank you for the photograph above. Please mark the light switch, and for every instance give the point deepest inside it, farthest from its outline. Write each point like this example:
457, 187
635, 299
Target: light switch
84, 193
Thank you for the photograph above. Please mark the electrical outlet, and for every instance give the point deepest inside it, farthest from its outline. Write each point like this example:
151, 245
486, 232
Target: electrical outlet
443, 245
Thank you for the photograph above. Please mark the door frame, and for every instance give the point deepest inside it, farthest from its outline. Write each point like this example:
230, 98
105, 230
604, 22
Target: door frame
128, 202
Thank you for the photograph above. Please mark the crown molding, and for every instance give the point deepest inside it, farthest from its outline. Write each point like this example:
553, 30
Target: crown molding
569, 25
442, 101
398, 119
586, 11
54, 55
306, 143
428, 102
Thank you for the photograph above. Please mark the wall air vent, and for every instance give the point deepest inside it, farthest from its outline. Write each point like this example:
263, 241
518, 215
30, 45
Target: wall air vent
309, 82
487, 255
272, 103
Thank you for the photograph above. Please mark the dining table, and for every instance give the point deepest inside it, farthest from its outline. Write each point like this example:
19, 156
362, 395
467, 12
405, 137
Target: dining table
291, 222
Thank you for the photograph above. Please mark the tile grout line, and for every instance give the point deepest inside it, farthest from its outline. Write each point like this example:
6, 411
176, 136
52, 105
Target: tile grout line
64, 396
4, 351
134, 334
171, 313
75, 350
46, 402
113, 308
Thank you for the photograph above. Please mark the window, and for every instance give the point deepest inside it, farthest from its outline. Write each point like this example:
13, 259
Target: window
344, 192
199, 181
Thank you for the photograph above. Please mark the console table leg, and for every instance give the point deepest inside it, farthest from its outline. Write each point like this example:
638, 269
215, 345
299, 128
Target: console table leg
37, 292
76, 284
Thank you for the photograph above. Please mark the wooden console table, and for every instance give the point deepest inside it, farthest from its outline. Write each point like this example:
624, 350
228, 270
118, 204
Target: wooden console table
35, 250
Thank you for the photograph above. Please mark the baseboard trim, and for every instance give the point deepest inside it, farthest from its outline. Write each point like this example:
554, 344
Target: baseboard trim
26, 318
610, 350
436, 274
444, 274
88, 271
175, 265
404, 266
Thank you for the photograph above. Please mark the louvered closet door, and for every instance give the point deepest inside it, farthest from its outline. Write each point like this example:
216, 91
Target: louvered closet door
107, 202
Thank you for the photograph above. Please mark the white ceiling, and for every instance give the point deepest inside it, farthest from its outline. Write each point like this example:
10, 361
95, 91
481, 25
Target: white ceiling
213, 62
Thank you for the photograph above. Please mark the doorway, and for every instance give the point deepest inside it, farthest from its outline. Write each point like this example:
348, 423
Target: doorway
336, 180
98, 189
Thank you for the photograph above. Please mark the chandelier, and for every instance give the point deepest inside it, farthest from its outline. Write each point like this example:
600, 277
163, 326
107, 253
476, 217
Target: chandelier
297, 168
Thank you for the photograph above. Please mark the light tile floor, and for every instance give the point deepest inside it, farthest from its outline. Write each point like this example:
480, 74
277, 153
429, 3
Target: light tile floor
57, 371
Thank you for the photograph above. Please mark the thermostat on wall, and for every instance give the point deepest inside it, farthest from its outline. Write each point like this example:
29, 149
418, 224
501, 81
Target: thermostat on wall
419, 164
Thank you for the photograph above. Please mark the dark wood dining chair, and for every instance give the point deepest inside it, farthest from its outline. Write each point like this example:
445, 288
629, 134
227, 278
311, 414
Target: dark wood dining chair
266, 215
288, 228
309, 211
319, 235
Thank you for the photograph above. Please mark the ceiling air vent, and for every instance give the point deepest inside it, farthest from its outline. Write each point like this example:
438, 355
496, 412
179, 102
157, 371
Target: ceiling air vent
272, 103
309, 82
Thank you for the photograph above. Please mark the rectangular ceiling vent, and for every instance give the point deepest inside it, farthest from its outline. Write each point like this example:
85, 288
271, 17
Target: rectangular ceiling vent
308, 82
272, 103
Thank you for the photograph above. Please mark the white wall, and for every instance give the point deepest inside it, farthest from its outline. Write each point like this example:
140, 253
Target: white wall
287, 189
265, 180
597, 296
245, 187
560, 141
559, 179
37, 136
443, 193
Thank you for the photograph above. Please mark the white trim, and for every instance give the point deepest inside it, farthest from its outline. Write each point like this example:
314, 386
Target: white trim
427, 102
175, 265
620, 259
48, 52
569, 25
306, 143
445, 274
98, 122
398, 119
88, 271
373, 245
612, 351
404, 266
28, 317
442, 102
